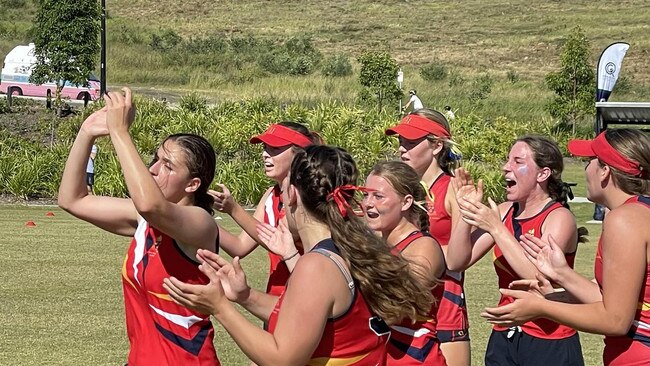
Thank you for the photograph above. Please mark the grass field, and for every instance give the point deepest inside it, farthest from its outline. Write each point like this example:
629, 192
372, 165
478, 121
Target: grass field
61, 300
470, 38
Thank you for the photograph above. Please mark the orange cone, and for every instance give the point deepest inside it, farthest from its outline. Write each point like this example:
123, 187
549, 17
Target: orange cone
50, 213
30, 223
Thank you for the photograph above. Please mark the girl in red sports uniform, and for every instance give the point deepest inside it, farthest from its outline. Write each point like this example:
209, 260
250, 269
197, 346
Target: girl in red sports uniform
169, 216
281, 142
394, 205
535, 197
618, 303
345, 282
425, 145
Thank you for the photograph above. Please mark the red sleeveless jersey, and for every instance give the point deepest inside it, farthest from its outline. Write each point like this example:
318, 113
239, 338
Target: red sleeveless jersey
278, 271
416, 343
634, 348
352, 339
160, 331
452, 312
540, 328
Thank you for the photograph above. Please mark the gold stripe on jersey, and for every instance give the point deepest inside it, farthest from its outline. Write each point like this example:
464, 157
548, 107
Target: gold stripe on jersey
328, 361
498, 263
644, 306
161, 296
125, 276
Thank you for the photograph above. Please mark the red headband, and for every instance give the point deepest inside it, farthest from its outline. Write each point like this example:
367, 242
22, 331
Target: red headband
279, 136
600, 147
341, 194
413, 127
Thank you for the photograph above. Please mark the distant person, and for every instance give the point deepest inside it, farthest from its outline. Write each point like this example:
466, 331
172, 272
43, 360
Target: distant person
415, 100
449, 113
90, 169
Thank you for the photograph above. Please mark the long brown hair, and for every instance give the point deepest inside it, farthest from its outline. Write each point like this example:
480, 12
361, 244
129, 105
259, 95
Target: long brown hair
388, 284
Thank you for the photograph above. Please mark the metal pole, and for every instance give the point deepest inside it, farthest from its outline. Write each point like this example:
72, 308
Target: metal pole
102, 75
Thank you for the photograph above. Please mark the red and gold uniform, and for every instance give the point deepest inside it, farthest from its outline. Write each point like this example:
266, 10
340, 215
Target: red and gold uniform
278, 270
416, 343
356, 338
634, 348
452, 315
160, 331
540, 328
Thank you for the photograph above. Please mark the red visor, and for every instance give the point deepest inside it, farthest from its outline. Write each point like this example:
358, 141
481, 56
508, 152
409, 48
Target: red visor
600, 148
413, 127
279, 136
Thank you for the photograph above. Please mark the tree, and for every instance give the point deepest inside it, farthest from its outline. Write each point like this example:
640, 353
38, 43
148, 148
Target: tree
66, 38
379, 77
574, 84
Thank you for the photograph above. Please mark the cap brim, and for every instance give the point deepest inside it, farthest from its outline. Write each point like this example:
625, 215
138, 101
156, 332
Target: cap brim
581, 148
270, 140
407, 132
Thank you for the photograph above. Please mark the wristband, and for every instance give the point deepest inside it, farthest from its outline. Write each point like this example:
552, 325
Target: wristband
289, 257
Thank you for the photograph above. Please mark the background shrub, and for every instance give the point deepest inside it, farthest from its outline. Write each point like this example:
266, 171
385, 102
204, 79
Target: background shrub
29, 168
434, 71
337, 65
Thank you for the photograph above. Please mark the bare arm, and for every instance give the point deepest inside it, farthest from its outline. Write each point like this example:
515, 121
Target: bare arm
426, 259
246, 242
310, 299
189, 225
466, 245
115, 215
624, 266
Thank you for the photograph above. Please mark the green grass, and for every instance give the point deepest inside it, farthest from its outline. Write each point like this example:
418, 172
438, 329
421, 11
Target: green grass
470, 38
61, 296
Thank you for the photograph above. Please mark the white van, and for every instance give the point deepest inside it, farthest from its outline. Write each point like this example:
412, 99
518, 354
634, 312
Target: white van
17, 68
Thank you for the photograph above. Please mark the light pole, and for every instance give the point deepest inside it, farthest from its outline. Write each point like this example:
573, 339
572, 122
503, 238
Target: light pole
102, 66
400, 80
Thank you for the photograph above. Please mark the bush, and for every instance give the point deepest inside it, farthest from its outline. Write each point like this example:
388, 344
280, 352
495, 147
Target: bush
481, 88
4, 107
29, 169
455, 79
337, 65
512, 76
13, 4
434, 71
165, 41
193, 102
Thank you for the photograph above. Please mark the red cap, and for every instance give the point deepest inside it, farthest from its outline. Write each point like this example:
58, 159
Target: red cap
600, 148
413, 127
279, 136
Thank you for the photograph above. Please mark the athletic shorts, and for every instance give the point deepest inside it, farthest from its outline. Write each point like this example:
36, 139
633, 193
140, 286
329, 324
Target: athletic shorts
514, 347
447, 336
90, 179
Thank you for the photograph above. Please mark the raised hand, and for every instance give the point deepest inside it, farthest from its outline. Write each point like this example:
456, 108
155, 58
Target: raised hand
525, 308
278, 240
223, 201
95, 124
477, 214
547, 257
463, 186
120, 110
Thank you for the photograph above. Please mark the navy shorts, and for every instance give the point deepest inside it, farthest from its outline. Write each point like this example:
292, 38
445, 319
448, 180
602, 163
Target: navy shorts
90, 179
514, 347
447, 336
